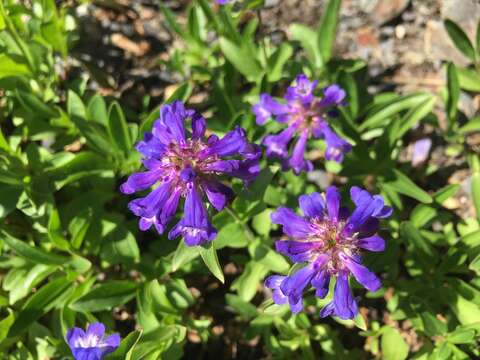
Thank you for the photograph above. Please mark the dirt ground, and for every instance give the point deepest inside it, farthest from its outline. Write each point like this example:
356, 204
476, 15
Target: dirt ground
402, 40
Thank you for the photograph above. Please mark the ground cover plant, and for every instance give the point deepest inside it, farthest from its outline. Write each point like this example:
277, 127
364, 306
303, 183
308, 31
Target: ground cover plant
271, 203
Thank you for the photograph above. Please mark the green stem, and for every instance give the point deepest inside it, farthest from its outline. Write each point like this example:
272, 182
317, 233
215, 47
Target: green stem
263, 44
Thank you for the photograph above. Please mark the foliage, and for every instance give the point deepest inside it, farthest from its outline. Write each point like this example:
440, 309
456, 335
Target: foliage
72, 254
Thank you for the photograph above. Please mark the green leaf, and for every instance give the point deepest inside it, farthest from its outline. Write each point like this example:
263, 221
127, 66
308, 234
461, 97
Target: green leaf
182, 92
159, 297
476, 192
247, 283
262, 223
242, 307
475, 264
477, 38
250, 201
426, 254
155, 340
210, 14
412, 117
106, 296
2, 22
40, 303
11, 67
5, 324
78, 227
269, 258
445, 193
35, 106
96, 136
210, 258
147, 123
405, 186
4, 143
31, 253
178, 294
25, 282
242, 58
75, 106
120, 246
460, 39
461, 335
9, 196
80, 264
466, 311
232, 235
471, 126
422, 214
360, 322
393, 345
432, 326
183, 255
97, 110
55, 231
80, 166
453, 92
118, 128
308, 40
347, 82
126, 348
379, 115
277, 61
469, 79
327, 29
171, 22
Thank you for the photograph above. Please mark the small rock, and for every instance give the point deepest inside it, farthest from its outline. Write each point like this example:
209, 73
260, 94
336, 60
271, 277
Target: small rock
400, 31
319, 177
129, 46
386, 10
218, 330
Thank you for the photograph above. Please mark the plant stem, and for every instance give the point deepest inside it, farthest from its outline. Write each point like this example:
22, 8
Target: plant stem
263, 44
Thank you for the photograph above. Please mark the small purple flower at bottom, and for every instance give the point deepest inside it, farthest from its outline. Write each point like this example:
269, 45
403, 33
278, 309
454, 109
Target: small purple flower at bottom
329, 240
91, 344
183, 163
305, 116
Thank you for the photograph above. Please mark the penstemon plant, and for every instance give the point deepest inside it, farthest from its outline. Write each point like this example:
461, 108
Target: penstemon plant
167, 226
329, 240
188, 167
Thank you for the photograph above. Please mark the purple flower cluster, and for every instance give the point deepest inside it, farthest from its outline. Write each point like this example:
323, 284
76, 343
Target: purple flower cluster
186, 164
92, 344
305, 116
329, 240
182, 163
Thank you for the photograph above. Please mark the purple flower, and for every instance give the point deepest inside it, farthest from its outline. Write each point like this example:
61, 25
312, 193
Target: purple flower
222, 2
305, 116
184, 164
92, 344
329, 240
421, 149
